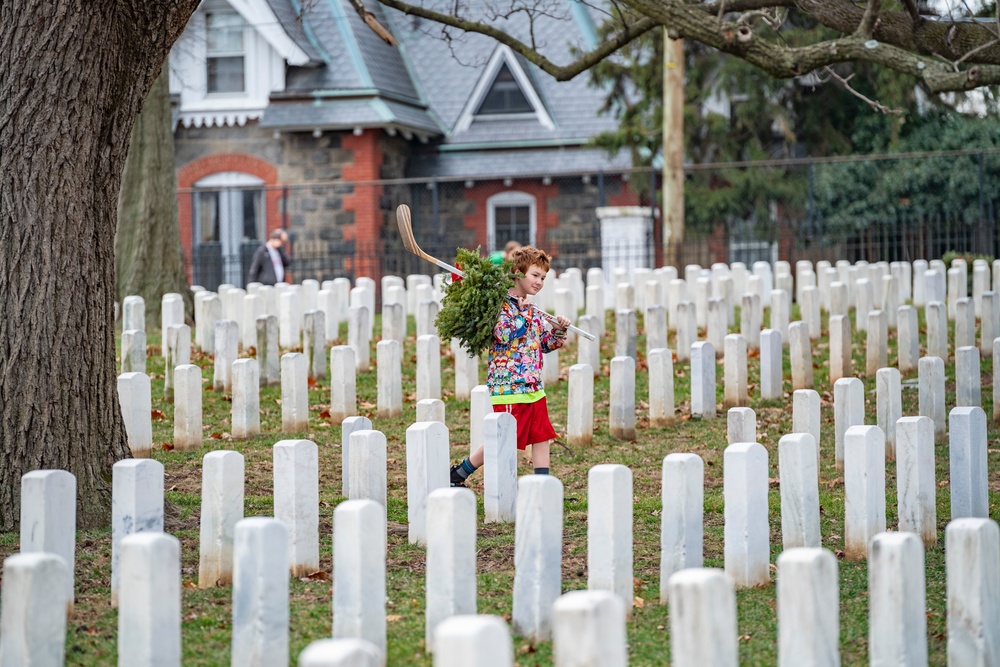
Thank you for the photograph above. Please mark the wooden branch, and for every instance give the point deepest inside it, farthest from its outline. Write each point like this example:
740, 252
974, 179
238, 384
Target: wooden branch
869, 19
559, 72
874, 104
911, 55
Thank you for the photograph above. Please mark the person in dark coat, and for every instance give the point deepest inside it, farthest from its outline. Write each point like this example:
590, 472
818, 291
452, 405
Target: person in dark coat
270, 263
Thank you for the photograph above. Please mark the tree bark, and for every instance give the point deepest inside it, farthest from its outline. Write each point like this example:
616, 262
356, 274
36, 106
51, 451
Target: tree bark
148, 256
73, 74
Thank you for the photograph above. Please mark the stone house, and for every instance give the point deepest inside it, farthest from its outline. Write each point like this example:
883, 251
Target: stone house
298, 115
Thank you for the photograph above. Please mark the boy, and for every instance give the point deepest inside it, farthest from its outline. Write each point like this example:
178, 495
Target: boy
514, 371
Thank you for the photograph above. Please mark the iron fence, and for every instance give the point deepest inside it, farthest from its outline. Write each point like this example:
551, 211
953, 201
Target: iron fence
804, 210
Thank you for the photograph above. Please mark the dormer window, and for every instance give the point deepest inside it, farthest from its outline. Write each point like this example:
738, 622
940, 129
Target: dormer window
504, 92
225, 57
504, 96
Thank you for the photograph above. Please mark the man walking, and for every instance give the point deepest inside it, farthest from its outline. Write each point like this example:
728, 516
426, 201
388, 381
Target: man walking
270, 262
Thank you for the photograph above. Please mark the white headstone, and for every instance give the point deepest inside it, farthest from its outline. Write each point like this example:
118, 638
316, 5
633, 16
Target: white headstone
930, 375
367, 467
588, 628
888, 407
149, 609
428, 367
972, 551
580, 406
426, 470
703, 380
388, 366
876, 343
246, 399
681, 520
798, 470
343, 383
48, 524
260, 593
133, 351
537, 554
33, 609
499, 468
967, 377
221, 507
296, 501
702, 618
770, 365
808, 608
897, 629
864, 489
621, 418
359, 572
348, 426
609, 532
848, 411
747, 535
451, 557
473, 641
916, 488
841, 362
227, 347
135, 402
800, 356
294, 393
267, 350
480, 406
735, 391
968, 472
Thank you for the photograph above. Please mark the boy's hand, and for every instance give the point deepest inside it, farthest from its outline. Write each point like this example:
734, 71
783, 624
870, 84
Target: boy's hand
562, 323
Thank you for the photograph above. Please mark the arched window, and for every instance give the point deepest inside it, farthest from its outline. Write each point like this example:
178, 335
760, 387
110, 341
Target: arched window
510, 216
229, 224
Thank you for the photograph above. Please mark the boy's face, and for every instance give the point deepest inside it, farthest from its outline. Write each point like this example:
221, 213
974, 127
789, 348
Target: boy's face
532, 281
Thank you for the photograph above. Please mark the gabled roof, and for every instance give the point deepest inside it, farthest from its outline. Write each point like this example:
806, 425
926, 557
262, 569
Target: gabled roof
364, 83
432, 87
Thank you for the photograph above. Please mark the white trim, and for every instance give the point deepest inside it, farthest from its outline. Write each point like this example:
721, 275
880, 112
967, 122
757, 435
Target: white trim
502, 54
258, 15
228, 179
509, 198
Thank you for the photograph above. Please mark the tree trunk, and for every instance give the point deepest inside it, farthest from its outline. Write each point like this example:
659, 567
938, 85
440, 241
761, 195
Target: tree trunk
148, 242
73, 74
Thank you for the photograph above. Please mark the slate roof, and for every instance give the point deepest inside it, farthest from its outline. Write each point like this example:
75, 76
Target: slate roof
425, 82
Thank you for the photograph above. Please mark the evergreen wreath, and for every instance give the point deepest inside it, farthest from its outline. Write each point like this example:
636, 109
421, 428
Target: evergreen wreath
471, 306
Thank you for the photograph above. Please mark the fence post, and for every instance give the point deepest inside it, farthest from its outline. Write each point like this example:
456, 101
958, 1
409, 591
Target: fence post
435, 212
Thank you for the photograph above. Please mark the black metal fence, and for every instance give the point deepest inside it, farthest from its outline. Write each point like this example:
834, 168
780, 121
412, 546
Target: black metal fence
806, 210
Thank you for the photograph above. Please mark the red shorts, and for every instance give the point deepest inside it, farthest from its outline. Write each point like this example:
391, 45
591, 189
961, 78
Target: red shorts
533, 423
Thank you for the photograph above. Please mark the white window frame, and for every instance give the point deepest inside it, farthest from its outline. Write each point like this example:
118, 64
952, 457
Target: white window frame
223, 8
226, 183
502, 55
510, 198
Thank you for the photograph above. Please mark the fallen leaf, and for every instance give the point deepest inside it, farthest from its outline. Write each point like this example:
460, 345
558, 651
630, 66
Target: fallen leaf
744, 638
638, 602
318, 575
390, 618
167, 446
312, 383
216, 436
325, 414
157, 415
190, 584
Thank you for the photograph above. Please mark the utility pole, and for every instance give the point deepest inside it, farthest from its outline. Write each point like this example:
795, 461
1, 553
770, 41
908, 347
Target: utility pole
673, 150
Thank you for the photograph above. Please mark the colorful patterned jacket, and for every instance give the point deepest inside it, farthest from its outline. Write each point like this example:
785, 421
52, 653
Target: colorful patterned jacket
520, 338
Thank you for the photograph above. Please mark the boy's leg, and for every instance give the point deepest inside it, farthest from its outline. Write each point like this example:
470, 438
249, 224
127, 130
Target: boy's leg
469, 465
540, 457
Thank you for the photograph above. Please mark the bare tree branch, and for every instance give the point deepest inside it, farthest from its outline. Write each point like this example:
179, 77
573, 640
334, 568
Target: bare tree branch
870, 18
846, 83
886, 38
560, 73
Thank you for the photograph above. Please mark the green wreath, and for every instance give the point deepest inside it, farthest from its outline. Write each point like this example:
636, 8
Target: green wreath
471, 306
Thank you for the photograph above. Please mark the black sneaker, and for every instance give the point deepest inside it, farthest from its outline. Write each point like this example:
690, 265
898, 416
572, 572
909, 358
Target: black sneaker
456, 479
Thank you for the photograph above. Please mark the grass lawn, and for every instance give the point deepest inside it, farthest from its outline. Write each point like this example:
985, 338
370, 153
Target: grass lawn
91, 638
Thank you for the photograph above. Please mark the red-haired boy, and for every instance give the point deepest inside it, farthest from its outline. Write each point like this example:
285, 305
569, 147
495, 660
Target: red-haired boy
514, 370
